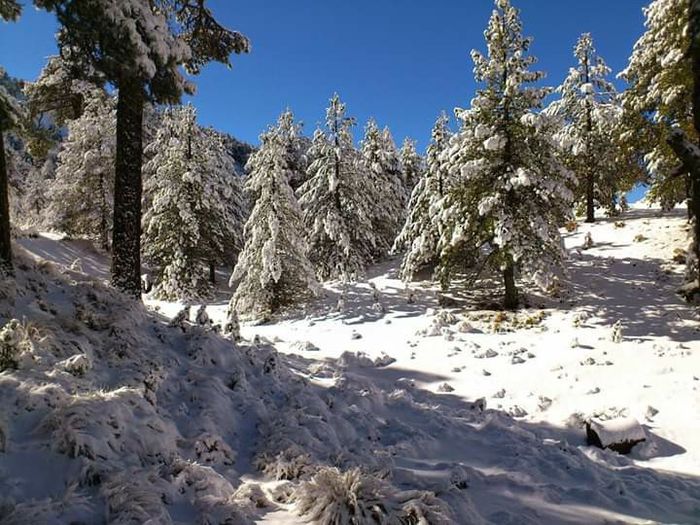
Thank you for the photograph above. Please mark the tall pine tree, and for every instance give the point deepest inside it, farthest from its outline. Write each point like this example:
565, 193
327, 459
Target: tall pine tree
140, 46
337, 201
421, 232
194, 215
380, 165
11, 114
511, 194
81, 198
273, 270
589, 110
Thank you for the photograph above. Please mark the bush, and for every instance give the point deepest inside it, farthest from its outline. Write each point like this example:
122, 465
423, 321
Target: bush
14, 341
333, 497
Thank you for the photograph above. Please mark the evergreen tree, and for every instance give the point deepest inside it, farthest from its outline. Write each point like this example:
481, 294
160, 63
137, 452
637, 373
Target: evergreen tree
140, 46
511, 193
294, 147
57, 97
411, 164
223, 236
658, 98
195, 212
337, 201
421, 233
81, 198
588, 110
11, 114
272, 270
658, 109
380, 164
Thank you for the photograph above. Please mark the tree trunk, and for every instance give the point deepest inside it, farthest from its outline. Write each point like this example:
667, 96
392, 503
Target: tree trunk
212, 272
126, 234
510, 301
104, 219
5, 237
695, 174
590, 196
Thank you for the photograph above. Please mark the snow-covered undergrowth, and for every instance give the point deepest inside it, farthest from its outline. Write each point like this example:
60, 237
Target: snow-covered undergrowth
112, 416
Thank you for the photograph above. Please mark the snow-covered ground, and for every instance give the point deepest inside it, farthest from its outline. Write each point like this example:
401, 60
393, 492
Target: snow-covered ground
479, 411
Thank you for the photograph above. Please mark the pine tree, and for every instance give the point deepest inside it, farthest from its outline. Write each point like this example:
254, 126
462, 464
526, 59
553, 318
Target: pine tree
11, 114
272, 271
658, 96
222, 239
658, 112
337, 201
421, 233
81, 199
289, 133
194, 216
380, 164
588, 110
511, 194
411, 164
140, 46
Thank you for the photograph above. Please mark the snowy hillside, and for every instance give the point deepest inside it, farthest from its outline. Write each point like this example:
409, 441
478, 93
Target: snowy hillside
453, 415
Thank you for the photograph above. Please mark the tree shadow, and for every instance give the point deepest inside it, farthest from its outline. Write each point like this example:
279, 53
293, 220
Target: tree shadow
634, 291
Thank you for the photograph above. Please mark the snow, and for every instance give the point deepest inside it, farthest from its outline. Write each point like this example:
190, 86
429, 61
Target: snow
475, 413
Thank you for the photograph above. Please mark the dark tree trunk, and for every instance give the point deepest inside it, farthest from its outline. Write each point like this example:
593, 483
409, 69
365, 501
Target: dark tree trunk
695, 174
590, 196
510, 301
212, 272
126, 235
104, 219
5, 237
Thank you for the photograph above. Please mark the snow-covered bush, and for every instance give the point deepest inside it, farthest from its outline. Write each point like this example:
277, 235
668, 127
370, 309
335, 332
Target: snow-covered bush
14, 341
333, 497
131, 499
289, 464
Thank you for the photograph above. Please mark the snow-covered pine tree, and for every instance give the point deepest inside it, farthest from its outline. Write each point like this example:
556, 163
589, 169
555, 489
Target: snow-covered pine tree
411, 164
588, 109
658, 109
658, 97
273, 270
380, 163
294, 146
144, 48
194, 213
81, 196
511, 193
420, 233
222, 239
337, 201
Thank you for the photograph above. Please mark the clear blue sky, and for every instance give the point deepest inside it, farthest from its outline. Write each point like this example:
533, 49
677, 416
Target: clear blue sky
401, 61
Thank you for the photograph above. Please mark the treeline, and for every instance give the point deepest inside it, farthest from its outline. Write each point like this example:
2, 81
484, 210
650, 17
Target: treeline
489, 196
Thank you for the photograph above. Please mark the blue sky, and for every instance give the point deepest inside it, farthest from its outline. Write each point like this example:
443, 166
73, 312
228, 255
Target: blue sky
401, 61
